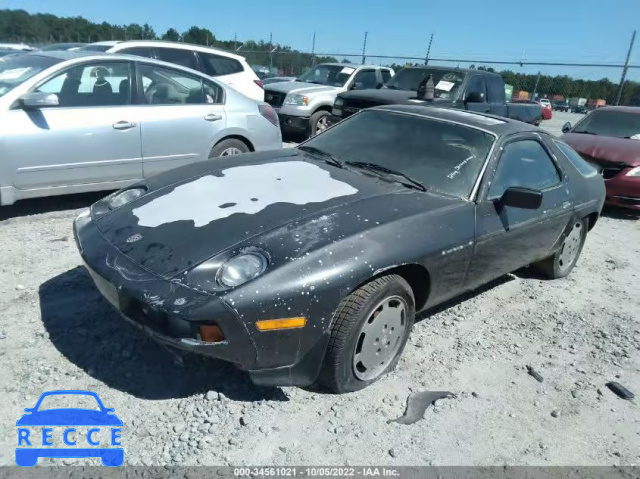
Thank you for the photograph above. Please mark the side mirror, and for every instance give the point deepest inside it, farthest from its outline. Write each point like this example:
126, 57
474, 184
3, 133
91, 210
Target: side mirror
566, 127
28, 409
379, 85
525, 198
357, 85
37, 99
474, 97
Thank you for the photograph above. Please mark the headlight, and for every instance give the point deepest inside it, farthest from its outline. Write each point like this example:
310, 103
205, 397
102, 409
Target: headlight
240, 269
339, 102
634, 172
124, 197
298, 100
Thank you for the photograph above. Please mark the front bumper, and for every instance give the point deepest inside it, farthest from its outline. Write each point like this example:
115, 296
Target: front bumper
172, 314
623, 190
296, 123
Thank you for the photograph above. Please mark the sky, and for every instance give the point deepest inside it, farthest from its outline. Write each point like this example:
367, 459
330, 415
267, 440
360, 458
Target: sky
576, 31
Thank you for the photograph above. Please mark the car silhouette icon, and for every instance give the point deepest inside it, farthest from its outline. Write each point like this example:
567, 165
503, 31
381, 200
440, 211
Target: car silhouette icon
70, 417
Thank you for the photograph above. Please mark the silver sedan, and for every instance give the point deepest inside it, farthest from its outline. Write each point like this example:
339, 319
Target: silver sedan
74, 122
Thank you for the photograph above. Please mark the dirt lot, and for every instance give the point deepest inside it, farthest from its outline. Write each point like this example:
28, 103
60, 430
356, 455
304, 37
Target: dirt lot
578, 333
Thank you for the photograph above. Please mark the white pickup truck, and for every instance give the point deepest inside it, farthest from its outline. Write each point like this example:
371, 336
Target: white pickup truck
305, 104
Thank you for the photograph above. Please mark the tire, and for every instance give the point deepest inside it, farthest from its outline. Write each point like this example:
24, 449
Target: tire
560, 264
343, 370
318, 117
230, 146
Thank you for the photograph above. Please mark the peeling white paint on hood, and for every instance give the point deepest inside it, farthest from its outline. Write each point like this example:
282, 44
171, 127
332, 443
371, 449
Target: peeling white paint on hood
242, 189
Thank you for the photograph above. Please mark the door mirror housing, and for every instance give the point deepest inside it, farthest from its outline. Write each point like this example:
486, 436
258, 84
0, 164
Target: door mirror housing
36, 99
357, 86
524, 198
566, 127
474, 97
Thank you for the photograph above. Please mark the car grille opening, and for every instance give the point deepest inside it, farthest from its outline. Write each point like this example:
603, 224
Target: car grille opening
274, 98
606, 169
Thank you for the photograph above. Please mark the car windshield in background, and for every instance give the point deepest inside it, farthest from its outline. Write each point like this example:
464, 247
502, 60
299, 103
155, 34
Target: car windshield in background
446, 82
614, 123
14, 70
444, 157
331, 75
95, 48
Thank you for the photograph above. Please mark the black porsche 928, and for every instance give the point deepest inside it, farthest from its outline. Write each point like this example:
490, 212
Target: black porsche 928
309, 264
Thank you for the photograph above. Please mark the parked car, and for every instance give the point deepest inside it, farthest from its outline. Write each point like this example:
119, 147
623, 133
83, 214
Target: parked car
227, 67
309, 264
80, 121
62, 47
305, 105
473, 90
609, 139
19, 47
545, 102
545, 113
577, 108
561, 105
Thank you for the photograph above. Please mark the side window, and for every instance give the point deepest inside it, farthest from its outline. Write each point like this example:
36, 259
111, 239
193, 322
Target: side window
138, 51
185, 58
92, 84
495, 89
365, 79
213, 93
524, 163
476, 84
576, 160
216, 65
386, 75
164, 86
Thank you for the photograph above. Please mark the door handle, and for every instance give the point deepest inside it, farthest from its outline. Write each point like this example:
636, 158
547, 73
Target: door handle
212, 117
123, 125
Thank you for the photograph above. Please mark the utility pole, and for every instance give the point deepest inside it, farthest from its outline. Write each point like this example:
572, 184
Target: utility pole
313, 50
270, 51
364, 48
235, 41
535, 88
624, 70
426, 59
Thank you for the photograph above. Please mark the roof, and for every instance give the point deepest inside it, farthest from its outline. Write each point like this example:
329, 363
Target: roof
350, 65
625, 109
492, 123
181, 45
461, 70
107, 43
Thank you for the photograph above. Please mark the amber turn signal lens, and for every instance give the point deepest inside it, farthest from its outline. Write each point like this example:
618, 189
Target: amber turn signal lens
211, 333
275, 324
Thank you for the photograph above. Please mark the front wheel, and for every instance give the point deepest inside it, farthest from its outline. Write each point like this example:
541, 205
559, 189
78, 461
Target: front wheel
562, 261
371, 327
318, 122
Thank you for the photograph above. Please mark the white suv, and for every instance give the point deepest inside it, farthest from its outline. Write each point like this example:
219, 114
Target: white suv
226, 67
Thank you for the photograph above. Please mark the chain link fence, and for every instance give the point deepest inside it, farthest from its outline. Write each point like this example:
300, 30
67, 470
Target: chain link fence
581, 86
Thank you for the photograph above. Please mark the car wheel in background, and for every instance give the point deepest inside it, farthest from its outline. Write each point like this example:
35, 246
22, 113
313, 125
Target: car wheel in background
371, 327
319, 122
562, 261
228, 147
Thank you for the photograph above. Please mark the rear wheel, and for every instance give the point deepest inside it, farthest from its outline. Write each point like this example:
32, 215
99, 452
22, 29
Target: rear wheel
371, 327
562, 261
318, 122
228, 147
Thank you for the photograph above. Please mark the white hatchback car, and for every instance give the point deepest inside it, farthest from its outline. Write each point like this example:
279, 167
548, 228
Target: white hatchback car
226, 67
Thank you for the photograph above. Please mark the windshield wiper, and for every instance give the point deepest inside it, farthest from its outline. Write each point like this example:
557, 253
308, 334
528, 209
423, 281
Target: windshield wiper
375, 167
325, 156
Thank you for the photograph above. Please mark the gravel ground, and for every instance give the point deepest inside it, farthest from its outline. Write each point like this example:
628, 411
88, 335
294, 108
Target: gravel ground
578, 333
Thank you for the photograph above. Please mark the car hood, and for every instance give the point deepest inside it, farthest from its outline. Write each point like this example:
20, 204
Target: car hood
69, 417
607, 148
198, 211
301, 88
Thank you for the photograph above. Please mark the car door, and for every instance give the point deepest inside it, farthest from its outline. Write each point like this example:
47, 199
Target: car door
92, 136
508, 238
182, 115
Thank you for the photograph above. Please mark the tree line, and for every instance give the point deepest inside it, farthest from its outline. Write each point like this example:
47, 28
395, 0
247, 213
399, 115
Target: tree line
21, 26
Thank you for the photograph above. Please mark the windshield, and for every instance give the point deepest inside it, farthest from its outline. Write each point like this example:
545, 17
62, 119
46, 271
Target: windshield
95, 48
619, 124
16, 69
442, 156
331, 75
447, 82
64, 401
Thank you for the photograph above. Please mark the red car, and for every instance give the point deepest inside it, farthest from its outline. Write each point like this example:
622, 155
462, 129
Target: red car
609, 139
546, 111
